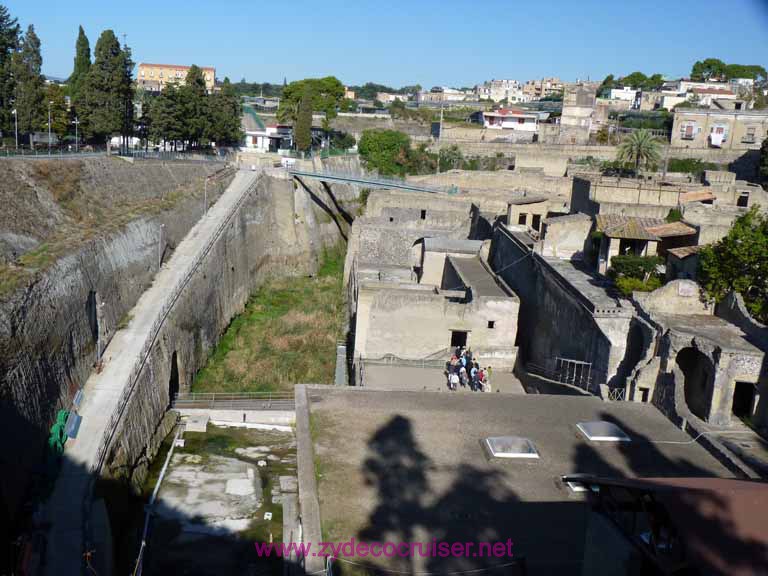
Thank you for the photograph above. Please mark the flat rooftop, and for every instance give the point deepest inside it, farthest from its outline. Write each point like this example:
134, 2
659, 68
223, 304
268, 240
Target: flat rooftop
726, 335
409, 466
593, 287
479, 278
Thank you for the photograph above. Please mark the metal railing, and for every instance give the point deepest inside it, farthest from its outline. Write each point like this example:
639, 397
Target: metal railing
111, 428
371, 181
435, 360
235, 401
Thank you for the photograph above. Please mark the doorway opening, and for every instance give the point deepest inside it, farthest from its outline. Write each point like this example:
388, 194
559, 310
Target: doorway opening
458, 338
743, 399
173, 381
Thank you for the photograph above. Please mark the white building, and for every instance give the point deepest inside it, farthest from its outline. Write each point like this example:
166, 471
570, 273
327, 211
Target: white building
512, 119
626, 93
498, 90
388, 97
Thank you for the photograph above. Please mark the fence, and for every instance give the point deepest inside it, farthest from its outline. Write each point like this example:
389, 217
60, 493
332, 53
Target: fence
235, 401
572, 372
114, 421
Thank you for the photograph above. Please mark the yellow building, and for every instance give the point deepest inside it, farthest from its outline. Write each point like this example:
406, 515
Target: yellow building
155, 77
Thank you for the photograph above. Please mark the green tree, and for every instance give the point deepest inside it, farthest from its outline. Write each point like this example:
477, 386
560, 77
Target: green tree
225, 111
451, 158
739, 262
303, 124
166, 120
107, 96
9, 43
635, 80
59, 116
639, 148
30, 86
385, 151
708, 68
606, 86
194, 101
325, 93
81, 68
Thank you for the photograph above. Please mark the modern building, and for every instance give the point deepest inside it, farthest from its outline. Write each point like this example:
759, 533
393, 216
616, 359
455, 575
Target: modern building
511, 119
626, 93
154, 77
718, 128
537, 89
499, 90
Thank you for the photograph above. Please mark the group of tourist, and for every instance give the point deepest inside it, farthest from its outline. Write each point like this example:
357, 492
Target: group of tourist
464, 370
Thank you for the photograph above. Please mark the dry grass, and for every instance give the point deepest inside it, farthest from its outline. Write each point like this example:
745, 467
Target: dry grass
287, 335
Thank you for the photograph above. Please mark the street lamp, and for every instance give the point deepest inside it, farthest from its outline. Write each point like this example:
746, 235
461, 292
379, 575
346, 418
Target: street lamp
76, 122
16, 127
50, 103
205, 196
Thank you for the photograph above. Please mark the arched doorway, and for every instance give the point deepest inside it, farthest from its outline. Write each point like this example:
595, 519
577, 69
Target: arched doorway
173, 381
699, 380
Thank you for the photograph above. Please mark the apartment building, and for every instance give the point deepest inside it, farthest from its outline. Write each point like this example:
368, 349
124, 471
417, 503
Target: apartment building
155, 77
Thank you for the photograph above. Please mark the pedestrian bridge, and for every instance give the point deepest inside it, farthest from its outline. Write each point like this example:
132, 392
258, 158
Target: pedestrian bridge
370, 181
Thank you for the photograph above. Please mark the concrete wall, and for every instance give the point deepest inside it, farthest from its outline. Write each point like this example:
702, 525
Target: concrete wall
566, 237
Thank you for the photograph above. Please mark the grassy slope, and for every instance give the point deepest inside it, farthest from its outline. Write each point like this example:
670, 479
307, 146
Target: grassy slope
286, 335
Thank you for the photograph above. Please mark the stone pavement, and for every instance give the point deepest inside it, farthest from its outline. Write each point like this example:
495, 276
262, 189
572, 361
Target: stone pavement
385, 377
102, 392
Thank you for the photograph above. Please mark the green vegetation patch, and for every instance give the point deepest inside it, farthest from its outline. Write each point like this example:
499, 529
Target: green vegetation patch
286, 335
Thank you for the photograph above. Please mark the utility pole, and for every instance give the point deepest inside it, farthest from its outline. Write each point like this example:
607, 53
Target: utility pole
439, 136
205, 196
50, 102
16, 127
76, 122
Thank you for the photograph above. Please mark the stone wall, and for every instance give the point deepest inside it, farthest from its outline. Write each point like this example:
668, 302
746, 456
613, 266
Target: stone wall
555, 317
415, 322
49, 332
50, 329
274, 233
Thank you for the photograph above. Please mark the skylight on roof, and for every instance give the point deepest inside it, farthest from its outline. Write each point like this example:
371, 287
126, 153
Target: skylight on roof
601, 431
511, 447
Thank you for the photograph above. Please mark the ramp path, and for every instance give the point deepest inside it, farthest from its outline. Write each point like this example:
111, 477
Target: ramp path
106, 393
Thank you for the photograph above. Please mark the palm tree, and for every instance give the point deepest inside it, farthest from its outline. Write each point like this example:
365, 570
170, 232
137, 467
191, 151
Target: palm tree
640, 147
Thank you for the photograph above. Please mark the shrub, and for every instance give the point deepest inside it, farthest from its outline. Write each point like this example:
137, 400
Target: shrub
674, 215
627, 285
637, 267
690, 166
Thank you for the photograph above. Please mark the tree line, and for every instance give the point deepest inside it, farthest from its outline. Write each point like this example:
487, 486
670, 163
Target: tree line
100, 99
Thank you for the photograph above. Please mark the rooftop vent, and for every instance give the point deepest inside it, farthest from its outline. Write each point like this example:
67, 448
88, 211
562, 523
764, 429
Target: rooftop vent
601, 431
511, 447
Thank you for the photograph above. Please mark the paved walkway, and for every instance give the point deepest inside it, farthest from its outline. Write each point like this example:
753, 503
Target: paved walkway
378, 377
103, 391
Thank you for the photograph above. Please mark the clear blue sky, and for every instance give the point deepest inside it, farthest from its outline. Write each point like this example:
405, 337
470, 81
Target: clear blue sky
429, 42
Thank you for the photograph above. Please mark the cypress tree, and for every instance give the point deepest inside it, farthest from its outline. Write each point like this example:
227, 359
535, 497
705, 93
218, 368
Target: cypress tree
195, 106
9, 43
26, 67
303, 125
107, 96
224, 120
82, 66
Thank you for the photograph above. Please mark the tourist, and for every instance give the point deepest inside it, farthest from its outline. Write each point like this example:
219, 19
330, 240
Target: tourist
473, 374
453, 381
463, 376
469, 357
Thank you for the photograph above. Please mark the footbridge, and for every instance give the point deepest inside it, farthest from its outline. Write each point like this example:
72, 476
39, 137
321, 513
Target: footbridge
370, 181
